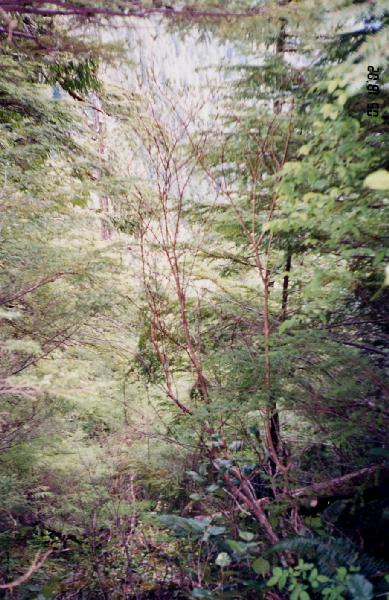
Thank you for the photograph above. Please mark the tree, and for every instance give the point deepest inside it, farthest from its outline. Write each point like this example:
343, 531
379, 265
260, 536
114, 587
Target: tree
209, 381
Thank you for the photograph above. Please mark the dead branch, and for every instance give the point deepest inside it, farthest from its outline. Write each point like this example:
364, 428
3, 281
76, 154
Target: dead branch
35, 566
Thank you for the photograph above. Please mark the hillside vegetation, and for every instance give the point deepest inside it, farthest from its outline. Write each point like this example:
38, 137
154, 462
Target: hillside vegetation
193, 301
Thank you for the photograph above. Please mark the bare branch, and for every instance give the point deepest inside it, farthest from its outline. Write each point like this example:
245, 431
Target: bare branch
35, 566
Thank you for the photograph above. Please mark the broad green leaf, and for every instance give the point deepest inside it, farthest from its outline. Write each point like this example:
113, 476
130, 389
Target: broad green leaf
304, 150
247, 536
235, 546
295, 594
223, 559
378, 180
333, 84
342, 98
216, 530
273, 581
329, 111
261, 566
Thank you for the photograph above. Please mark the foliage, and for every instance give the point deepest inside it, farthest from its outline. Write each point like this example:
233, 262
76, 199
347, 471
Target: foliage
304, 581
330, 552
192, 311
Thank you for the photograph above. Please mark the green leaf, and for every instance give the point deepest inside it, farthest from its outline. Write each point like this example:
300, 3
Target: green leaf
223, 559
201, 593
304, 150
235, 546
247, 536
359, 587
295, 594
329, 111
195, 476
283, 579
341, 573
216, 530
182, 526
261, 566
378, 180
342, 98
273, 581
195, 497
211, 488
332, 85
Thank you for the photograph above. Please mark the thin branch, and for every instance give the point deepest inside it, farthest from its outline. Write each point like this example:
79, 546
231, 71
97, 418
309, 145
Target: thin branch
63, 8
35, 286
35, 566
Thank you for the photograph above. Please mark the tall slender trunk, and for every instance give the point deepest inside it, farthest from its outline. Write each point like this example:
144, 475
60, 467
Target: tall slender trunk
272, 422
285, 285
103, 199
280, 48
275, 447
